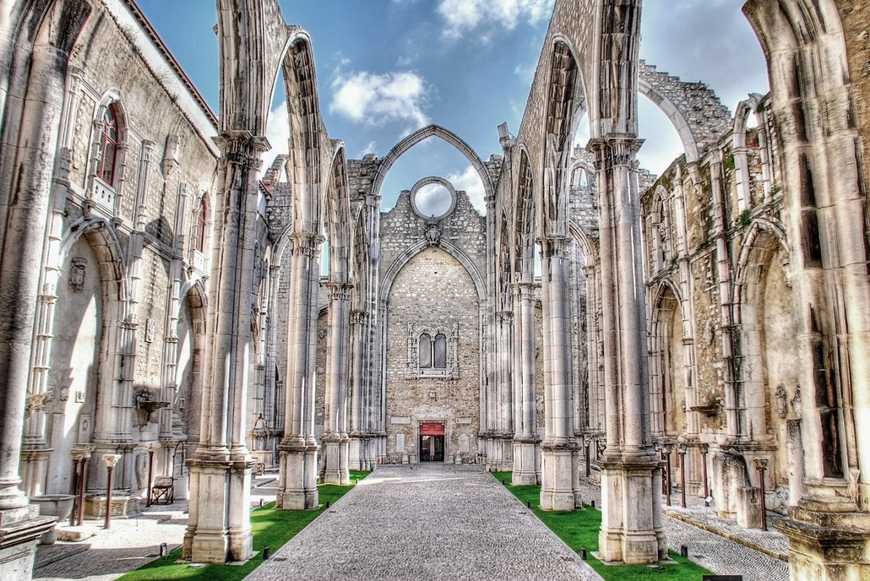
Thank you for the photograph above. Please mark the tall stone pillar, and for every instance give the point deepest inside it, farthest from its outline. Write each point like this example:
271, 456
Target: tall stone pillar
31, 127
357, 451
557, 450
526, 431
219, 527
294, 446
631, 529
334, 437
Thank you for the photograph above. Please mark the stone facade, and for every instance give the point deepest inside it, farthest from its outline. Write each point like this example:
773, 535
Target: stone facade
172, 302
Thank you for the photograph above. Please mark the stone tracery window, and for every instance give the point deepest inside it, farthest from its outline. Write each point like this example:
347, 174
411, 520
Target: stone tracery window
440, 351
425, 351
109, 144
433, 352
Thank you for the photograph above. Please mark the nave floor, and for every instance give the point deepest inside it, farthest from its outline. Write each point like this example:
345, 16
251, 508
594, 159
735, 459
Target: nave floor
434, 521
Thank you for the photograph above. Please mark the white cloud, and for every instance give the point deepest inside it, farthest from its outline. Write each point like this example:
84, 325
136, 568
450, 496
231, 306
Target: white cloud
278, 134
462, 16
469, 181
369, 148
365, 97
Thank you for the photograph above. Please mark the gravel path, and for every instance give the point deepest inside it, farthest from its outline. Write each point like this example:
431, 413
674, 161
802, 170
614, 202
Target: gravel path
433, 522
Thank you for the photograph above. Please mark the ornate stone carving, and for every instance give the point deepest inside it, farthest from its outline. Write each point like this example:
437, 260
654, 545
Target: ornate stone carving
433, 235
781, 401
36, 402
796, 402
78, 270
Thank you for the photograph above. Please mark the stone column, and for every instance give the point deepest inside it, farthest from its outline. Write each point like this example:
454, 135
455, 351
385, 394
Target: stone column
526, 431
35, 447
334, 435
304, 249
630, 482
502, 439
557, 478
358, 320
312, 498
219, 527
31, 131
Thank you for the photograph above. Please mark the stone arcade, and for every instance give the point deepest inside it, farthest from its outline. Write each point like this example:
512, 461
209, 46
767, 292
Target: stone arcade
163, 297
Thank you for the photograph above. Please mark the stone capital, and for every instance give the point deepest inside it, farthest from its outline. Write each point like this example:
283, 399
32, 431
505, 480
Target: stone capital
305, 244
338, 290
242, 147
615, 150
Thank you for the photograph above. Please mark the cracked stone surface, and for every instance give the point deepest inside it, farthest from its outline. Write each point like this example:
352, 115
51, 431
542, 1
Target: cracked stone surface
433, 522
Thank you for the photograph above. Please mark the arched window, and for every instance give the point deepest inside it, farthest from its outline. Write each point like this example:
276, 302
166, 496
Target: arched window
109, 142
201, 225
425, 351
440, 350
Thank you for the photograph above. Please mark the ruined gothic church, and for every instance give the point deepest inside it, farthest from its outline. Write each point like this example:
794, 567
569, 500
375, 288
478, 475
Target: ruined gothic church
173, 307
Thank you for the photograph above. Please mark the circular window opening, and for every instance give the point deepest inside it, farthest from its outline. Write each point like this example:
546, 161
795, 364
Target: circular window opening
433, 198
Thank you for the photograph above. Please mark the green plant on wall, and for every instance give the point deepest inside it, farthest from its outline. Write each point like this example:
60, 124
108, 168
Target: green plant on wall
745, 218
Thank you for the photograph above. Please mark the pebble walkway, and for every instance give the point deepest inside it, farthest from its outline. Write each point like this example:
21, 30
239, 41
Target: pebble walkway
433, 522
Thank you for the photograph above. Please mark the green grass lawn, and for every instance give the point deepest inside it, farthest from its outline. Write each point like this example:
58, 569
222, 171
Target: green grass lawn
579, 530
271, 528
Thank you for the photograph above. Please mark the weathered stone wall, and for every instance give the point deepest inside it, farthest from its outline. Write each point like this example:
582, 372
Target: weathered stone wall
433, 290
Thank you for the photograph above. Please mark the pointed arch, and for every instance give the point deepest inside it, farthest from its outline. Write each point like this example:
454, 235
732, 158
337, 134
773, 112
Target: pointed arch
336, 217
694, 109
421, 135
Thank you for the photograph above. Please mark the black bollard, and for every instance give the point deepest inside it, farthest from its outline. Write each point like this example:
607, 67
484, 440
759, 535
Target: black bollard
327, 504
266, 553
684, 551
164, 549
592, 504
528, 504
261, 503
583, 553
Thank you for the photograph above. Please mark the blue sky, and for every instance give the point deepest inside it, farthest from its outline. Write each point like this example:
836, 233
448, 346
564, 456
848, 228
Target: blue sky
387, 67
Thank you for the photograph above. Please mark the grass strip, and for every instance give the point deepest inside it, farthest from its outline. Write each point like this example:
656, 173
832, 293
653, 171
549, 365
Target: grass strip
579, 530
270, 526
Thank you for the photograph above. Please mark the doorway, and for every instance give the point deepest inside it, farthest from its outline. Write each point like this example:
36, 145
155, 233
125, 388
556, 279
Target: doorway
431, 442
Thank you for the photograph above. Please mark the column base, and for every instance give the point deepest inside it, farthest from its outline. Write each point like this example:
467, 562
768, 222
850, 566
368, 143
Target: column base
312, 496
291, 495
356, 452
336, 459
557, 477
344, 460
631, 528
20, 530
827, 546
525, 462
220, 507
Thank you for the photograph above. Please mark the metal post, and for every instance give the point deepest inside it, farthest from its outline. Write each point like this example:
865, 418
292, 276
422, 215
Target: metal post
588, 460
668, 475
108, 521
150, 474
704, 449
761, 466
77, 466
110, 460
682, 452
82, 481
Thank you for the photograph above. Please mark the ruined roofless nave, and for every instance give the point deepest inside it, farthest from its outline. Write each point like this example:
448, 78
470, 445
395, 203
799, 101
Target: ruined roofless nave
175, 309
